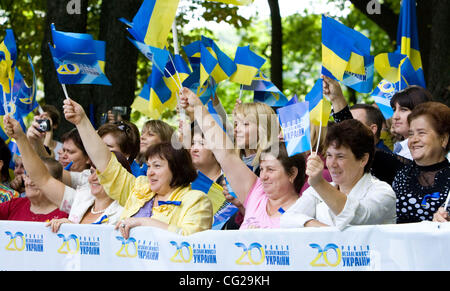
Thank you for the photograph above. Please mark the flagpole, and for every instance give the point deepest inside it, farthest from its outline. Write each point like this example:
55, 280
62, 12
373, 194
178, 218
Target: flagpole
177, 52
65, 91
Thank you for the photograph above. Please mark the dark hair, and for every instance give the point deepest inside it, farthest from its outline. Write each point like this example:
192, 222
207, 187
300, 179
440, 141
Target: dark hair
5, 156
126, 135
438, 114
353, 134
53, 113
373, 116
74, 135
54, 167
122, 160
296, 161
411, 97
179, 160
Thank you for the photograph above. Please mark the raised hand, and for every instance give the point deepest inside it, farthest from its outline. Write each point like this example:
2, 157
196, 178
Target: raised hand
314, 168
73, 112
12, 127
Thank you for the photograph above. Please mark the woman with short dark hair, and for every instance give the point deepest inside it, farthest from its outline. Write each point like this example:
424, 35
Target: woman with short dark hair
163, 199
354, 197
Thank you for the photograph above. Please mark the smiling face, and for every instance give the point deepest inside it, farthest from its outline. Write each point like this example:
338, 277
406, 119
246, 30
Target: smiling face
276, 181
159, 175
96, 188
425, 144
345, 169
71, 153
400, 120
246, 132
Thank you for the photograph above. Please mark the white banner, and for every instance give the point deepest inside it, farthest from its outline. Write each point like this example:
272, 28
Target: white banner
32, 246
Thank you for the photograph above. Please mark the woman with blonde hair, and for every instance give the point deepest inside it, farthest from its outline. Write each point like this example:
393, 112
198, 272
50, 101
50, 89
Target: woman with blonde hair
255, 128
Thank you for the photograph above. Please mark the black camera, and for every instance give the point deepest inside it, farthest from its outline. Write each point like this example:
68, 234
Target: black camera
44, 125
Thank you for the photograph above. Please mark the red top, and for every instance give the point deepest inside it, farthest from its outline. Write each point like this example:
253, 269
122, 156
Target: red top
19, 209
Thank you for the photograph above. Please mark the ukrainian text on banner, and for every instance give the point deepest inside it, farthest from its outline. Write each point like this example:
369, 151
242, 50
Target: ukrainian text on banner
32, 246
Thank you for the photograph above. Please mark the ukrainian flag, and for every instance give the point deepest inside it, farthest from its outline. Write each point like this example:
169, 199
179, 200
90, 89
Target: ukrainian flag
225, 67
343, 50
248, 64
157, 56
153, 21
319, 107
408, 36
222, 209
180, 71
155, 96
8, 57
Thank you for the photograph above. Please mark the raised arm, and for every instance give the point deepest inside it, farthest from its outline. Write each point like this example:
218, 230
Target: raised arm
332, 89
96, 149
34, 166
240, 177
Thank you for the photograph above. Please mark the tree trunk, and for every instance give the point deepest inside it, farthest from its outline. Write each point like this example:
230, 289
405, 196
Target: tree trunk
57, 13
276, 57
121, 56
438, 81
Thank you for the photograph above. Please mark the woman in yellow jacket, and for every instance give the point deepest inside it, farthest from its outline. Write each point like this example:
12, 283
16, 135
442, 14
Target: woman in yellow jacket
163, 199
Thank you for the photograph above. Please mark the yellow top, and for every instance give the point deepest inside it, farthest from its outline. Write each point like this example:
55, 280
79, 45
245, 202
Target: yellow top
193, 215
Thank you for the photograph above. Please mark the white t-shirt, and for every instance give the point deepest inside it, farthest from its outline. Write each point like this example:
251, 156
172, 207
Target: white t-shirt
371, 201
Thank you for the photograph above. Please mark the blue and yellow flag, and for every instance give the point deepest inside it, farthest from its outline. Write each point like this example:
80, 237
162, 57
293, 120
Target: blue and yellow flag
248, 64
319, 107
295, 123
78, 58
8, 57
159, 57
155, 97
382, 95
24, 96
408, 36
225, 66
222, 209
153, 21
265, 91
346, 51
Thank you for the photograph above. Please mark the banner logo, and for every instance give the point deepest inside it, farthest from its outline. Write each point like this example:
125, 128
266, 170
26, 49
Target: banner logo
197, 253
332, 256
72, 244
68, 69
131, 248
28, 242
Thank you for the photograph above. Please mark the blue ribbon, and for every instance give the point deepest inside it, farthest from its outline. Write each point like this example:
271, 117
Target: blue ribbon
176, 203
67, 168
281, 210
102, 220
434, 195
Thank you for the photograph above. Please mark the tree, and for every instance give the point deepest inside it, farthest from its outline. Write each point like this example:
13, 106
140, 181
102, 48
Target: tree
276, 57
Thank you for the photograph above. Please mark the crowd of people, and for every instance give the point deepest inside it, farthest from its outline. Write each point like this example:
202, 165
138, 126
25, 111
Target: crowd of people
121, 176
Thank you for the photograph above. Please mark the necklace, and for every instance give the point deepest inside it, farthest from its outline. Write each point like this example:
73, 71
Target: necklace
96, 212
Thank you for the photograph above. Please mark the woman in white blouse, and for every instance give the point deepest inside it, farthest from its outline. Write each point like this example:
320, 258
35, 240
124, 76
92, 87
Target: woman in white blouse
354, 197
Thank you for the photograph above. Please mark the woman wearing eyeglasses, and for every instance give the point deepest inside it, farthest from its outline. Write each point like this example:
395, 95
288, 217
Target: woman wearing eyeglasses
163, 199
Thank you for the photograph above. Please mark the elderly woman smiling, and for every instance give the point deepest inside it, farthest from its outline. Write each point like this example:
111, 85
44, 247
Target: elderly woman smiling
354, 197
163, 199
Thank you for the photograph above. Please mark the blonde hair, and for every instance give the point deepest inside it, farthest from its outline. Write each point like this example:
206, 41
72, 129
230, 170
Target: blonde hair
266, 121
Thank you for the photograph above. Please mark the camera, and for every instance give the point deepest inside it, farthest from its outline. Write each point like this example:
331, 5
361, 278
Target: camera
116, 111
44, 125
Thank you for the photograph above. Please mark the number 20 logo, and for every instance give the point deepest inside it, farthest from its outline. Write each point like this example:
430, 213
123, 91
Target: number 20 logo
65, 247
247, 252
323, 253
123, 251
13, 241
179, 252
